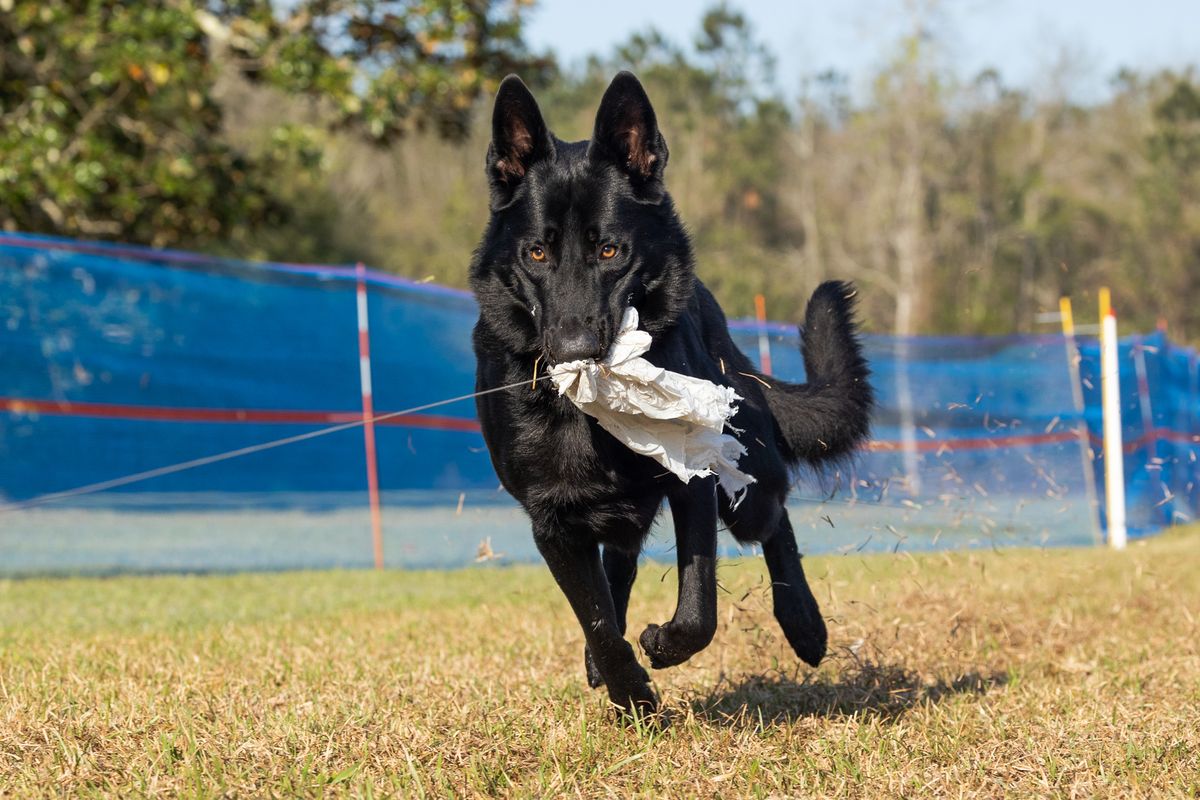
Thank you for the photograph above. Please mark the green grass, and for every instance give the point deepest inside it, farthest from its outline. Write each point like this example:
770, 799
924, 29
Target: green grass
1072, 673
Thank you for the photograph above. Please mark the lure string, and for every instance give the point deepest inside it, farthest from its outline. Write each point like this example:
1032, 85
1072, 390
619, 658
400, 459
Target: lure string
171, 469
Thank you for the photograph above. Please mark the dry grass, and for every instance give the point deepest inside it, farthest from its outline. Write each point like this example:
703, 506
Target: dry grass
995, 674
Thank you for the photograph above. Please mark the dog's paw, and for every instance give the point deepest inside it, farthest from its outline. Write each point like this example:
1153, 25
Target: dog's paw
803, 627
656, 643
594, 678
635, 699
670, 645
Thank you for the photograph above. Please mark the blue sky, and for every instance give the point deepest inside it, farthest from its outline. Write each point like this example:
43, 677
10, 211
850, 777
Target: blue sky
1023, 38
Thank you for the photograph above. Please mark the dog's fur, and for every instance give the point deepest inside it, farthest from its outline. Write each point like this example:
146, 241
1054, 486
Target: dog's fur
546, 294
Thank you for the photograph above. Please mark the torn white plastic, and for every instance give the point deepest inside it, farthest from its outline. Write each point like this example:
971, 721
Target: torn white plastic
675, 419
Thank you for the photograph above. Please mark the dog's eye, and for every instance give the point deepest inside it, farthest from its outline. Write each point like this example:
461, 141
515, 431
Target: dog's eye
537, 253
608, 251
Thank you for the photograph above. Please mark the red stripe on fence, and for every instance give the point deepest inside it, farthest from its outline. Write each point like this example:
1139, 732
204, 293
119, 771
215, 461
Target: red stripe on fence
1150, 437
19, 405
67, 408
983, 443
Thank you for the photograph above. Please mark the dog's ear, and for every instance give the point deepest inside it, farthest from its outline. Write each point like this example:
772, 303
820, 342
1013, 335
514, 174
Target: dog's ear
519, 139
627, 135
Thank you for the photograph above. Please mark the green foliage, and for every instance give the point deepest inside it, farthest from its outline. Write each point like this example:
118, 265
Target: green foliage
1166, 229
386, 67
1177, 139
113, 124
109, 127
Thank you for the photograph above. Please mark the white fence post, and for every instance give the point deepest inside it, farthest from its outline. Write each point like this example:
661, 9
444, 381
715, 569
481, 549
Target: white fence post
1114, 450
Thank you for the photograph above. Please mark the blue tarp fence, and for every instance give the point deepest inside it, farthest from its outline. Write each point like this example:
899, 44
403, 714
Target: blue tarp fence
115, 360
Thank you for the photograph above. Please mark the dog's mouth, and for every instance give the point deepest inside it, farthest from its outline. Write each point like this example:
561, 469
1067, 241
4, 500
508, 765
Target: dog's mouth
571, 343
552, 356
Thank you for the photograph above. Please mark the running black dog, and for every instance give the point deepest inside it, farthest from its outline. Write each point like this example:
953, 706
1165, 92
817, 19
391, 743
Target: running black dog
578, 232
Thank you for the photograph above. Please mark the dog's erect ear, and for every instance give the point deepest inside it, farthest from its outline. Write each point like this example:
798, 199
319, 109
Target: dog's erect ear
627, 134
519, 138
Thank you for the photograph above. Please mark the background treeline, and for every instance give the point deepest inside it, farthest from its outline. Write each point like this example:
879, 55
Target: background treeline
337, 132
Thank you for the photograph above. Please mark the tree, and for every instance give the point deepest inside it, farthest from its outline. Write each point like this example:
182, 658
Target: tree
110, 127
1170, 195
385, 67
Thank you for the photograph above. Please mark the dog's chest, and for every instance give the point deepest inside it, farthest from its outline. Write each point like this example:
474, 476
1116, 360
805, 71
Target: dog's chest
563, 456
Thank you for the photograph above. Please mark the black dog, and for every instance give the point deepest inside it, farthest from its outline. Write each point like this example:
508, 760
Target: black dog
578, 232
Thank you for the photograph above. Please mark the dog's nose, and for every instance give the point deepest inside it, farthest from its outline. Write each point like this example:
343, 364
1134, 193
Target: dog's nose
576, 344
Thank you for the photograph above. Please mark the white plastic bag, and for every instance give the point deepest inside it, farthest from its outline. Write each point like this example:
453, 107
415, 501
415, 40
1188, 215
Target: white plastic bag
675, 419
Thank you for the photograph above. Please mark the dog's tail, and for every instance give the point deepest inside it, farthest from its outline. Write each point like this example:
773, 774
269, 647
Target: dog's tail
828, 416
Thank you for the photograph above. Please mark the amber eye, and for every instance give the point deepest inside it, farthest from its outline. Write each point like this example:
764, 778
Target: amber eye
537, 253
608, 251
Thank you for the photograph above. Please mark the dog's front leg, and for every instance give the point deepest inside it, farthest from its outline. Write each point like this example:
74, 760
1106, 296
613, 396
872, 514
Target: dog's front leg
577, 570
694, 510
621, 570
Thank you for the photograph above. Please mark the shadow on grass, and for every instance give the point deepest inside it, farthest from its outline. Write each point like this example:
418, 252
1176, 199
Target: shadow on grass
861, 689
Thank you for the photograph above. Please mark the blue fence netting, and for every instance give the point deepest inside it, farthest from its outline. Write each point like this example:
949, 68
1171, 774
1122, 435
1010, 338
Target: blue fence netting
116, 360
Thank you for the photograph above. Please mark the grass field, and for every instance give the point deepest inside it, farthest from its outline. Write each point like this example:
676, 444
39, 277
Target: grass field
1072, 673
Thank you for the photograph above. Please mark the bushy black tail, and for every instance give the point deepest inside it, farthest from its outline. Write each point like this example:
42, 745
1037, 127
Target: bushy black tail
829, 416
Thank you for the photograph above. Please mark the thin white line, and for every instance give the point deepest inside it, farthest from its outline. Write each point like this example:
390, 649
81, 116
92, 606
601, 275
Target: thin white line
113, 483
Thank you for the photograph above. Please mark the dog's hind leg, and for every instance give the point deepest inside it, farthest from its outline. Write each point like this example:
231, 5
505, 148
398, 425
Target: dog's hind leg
621, 569
796, 609
762, 517
694, 510
574, 562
